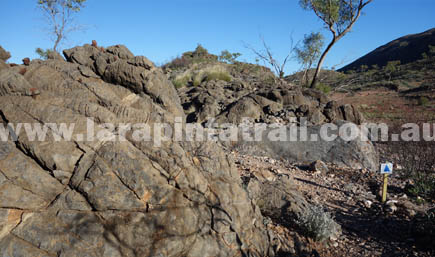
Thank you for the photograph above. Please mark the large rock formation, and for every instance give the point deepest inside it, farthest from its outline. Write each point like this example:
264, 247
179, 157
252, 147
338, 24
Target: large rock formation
280, 103
113, 198
259, 100
4, 56
295, 147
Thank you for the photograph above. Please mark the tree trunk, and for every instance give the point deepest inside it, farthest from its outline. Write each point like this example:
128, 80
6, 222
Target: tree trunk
56, 43
321, 60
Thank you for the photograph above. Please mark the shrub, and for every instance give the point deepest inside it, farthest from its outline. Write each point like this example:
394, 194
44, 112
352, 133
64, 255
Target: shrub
423, 101
181, 82
423, 185
417, 159
43, 53
228, 57
200, 55
317, 223
324, 88
218, 75
197, 78
179, 62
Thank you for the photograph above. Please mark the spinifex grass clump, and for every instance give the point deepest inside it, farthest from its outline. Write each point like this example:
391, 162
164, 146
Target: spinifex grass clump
317, 223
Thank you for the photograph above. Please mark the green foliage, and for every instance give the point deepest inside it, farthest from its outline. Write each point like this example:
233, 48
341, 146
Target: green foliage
392, 66
423, 101
309, 52
338, 14
181, 82
199, 55
423, 186
198, 77
43, 53
311, 48
228, 57
375, 67
338, 17
218, 75
324, 88
431, 50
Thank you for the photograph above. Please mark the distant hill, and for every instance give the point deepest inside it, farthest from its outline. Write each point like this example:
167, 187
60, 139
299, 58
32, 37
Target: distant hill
406, 49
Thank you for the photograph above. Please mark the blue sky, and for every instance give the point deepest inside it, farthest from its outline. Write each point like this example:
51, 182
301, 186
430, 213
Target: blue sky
162, 30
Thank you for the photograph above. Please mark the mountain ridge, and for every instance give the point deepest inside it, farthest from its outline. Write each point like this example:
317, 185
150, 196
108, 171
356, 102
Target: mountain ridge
405, 49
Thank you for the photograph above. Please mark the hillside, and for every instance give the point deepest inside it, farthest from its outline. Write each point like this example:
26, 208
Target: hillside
405, 49
103, 189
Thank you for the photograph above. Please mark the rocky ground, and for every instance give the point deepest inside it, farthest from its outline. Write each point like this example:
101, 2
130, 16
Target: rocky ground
131, 198
352, 197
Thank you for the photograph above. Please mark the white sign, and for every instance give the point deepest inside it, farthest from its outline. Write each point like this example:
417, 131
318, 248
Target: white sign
386, 168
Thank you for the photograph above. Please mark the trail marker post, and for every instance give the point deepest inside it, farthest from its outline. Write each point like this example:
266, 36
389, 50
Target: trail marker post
386, 169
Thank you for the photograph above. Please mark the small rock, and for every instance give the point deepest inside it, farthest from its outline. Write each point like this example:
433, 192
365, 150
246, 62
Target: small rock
368, 204
319, 166
26, 61
390, 206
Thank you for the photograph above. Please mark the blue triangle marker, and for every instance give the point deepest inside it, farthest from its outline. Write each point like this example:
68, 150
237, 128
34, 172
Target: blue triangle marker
387, 168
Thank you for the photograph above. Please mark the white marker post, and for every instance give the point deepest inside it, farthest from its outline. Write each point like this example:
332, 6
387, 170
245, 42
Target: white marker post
386, 169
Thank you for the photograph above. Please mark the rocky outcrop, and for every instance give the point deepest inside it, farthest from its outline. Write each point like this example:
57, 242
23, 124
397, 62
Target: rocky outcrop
309, 144
113, 198
230, 102
4, 55
117, 65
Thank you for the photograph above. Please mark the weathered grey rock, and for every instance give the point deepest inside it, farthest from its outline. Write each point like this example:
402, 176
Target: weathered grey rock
81, 54
231, 102
12, 83
3, 65
53, 55
117, 65
4, 55
125, 198
277, 143
319, 166
245, 108
280, 199
141, 61
121, 51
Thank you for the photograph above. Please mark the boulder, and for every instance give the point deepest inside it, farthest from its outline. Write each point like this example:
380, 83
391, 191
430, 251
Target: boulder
231, 101
84, 197
278, 143
3, 65
12, 83
117, 65
4, 55
26, 61
319, 166
245, 108
120, 51
53, 55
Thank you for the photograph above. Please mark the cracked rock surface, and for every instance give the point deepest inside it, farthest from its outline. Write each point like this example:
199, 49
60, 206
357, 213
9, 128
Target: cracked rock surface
105, 198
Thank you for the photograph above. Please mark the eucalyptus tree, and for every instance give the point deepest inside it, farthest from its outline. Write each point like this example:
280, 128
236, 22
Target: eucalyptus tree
339, 16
